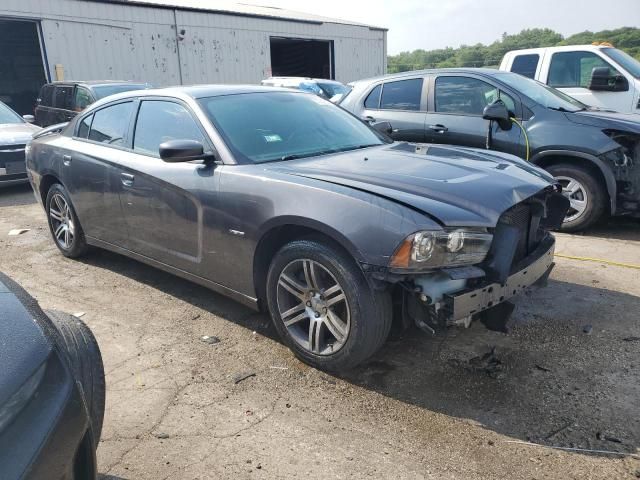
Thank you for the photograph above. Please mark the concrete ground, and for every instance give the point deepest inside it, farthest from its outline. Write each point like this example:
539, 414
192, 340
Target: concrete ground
440, 407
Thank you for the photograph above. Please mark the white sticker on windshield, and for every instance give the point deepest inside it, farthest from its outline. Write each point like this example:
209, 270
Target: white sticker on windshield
272, 138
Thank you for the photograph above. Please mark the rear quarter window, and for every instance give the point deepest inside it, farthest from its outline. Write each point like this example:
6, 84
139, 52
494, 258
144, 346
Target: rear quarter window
526, 65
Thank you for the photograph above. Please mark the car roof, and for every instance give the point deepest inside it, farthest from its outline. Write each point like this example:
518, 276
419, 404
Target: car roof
412, 73
96, 83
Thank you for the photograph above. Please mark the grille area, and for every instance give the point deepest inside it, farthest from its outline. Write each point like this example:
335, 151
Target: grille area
519, 216
12, 158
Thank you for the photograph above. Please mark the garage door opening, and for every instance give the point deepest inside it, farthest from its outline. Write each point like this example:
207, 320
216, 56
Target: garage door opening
295, 57
21, 64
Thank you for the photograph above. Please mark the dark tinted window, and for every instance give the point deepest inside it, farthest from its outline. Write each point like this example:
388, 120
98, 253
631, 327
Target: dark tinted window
101, 91
63, 96
159, 122
111, 123
466, 96
526, 65
46, 95
573, 69
373, 99
82, 98
402, 95
85, 125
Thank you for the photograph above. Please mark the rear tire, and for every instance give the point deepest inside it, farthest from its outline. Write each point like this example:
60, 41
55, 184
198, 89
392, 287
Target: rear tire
63, 222
86, 365
343, 321
587, 196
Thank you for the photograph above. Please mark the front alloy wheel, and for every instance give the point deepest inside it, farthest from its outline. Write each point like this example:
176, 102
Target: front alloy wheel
313, 307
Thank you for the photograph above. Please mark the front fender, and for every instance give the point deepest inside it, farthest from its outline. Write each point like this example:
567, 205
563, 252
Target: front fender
607, 174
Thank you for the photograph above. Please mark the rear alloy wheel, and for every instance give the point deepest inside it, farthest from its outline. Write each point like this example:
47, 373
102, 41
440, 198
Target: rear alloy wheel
323, 307
587, 198
63, 223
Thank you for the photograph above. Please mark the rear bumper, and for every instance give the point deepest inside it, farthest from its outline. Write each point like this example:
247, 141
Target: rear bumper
470, 302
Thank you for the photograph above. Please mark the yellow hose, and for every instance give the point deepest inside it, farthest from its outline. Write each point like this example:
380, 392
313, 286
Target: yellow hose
599, 260
526, 137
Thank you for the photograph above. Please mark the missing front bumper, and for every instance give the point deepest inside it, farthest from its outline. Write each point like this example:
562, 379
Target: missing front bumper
471, 302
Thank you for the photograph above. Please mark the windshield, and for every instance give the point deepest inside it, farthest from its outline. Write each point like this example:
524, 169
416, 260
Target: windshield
102, 91
625, 60
546, 96
9, 116
271, 126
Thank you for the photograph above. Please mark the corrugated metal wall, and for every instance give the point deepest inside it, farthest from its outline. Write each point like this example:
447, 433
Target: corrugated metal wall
112, 41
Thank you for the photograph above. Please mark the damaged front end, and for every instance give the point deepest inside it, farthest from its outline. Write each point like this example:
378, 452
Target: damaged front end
624, 162
475, 272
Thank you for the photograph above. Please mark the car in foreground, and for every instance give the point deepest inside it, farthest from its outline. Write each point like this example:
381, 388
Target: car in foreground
598, 75
52, 391
282, 200
330, 89
15, 134
59, 102
594, 154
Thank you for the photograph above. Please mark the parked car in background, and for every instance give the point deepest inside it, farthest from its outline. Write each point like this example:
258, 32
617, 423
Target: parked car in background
52, 391
59, 102
597, 75
285, 201
595, 155
329, 89
15, 133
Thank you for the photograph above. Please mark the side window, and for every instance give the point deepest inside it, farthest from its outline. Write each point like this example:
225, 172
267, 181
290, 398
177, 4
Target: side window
110, 124
159, 121
573, 69
82, 99
526, 64
401, 95
85, 125
467, 96
373, 99
62, 96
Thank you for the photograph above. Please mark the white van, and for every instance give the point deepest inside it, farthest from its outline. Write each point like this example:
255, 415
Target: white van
597, 75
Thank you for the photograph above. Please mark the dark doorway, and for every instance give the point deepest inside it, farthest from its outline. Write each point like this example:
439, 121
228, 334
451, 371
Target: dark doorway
295, 57
21, 64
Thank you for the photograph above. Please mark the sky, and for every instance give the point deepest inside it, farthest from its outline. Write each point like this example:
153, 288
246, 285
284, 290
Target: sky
430, 24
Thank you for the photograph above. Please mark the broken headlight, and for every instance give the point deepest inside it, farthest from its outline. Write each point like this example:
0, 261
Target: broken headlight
443, 248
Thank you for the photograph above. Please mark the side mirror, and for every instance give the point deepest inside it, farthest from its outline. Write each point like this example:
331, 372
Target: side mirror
602, 80
174, 151
498, 111
29, 118
383, 127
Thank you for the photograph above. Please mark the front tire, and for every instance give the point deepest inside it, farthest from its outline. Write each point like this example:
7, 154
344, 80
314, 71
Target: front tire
586, 195
63, 222
323, 307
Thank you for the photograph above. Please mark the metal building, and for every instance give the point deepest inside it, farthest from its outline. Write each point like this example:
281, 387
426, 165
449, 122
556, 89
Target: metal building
166, 42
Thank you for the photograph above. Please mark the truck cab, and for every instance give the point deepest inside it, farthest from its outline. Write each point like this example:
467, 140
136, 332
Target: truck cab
597, 75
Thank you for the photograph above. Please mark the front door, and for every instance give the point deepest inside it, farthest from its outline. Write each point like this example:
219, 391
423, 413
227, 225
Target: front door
455, 116
162, 201
399, 103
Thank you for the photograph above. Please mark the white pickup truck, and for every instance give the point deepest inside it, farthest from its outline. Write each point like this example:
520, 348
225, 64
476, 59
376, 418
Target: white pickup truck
597, 75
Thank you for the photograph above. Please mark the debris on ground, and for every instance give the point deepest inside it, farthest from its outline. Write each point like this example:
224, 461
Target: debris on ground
79, 314
587, 329
161, 435
631, 339
17, 231
544, 369
238, 377
274, 367
487, 363
608, 438
210, 339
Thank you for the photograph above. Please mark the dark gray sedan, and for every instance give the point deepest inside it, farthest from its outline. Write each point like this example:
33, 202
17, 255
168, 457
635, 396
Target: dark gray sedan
282, 200
15, 134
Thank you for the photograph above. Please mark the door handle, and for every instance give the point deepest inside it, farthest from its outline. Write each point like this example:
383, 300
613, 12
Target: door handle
369, 119
66, 159
127, 179
438, 128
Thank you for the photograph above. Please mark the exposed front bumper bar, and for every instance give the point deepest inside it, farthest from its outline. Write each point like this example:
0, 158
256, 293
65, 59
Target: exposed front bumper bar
463, 304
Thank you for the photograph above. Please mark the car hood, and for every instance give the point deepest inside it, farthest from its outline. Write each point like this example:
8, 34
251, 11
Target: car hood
16, 133
627, 122
457, 186
23, 344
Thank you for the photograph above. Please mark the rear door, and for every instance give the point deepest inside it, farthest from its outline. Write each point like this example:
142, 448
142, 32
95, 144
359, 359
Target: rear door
455, 113
401, 103
162, 201
62, 110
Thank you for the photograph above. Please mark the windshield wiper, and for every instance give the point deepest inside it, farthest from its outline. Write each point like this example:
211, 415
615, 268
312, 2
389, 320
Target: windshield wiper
328, 151
562, 109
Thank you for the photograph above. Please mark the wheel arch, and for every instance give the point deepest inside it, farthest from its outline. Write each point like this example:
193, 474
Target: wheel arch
580, 159
46, 181
283, 230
